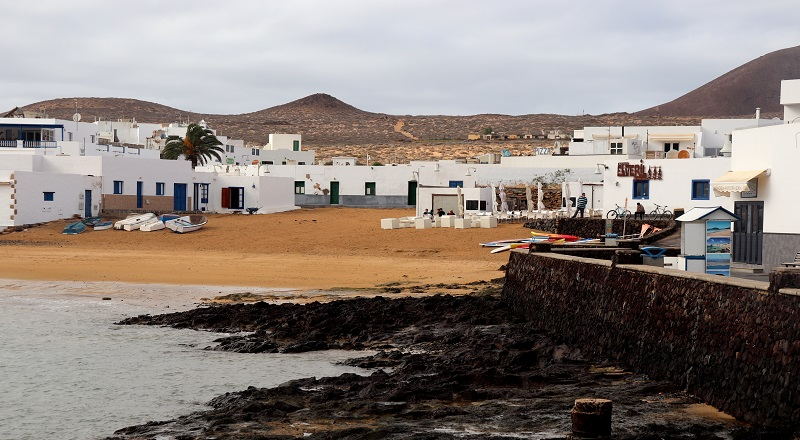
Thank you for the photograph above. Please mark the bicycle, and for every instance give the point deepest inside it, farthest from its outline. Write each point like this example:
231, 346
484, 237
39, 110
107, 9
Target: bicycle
661, 213
618, 212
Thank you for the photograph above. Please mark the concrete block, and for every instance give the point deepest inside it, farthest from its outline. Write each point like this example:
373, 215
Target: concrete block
423, 223
462, 223
489, 222
390, 223
448, 221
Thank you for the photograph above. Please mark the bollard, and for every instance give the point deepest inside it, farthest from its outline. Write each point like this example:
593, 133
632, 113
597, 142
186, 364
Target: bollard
591, 418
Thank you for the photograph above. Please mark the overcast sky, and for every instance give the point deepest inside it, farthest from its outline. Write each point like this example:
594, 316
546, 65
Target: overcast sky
401, 57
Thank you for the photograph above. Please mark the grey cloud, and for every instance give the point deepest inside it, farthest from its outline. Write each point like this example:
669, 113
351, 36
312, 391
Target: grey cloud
410, 57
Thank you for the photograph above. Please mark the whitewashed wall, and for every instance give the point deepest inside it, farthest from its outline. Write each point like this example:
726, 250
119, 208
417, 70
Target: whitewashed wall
675, 190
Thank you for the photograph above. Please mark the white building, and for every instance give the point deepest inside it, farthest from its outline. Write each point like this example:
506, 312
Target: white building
762, 187
661, 142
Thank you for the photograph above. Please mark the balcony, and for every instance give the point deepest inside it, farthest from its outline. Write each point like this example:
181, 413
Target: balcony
5, 143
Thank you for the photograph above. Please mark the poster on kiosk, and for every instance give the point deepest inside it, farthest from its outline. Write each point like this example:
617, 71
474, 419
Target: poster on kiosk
718, 247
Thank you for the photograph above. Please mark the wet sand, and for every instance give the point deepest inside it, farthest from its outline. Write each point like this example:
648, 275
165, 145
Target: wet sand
307, 249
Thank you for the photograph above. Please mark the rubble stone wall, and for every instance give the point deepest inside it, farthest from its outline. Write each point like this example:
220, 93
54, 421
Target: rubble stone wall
727, 341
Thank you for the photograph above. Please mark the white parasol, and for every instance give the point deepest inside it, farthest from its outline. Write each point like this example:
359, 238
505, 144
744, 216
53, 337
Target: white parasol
529, 196
460, 202
566, 195
539, 196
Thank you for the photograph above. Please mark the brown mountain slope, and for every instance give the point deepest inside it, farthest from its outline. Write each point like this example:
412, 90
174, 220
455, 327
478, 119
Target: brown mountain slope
740, 91
325, 120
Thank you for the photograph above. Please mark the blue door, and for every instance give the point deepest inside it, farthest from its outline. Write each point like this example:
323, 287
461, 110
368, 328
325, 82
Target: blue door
179, 199
139, 190
87, 203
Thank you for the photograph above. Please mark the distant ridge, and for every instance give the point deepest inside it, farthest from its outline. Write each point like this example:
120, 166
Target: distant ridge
325, 120
740, 91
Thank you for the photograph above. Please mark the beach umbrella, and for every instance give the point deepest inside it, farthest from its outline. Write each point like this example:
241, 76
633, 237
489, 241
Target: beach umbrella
503, 196
460, 202
566, 195
539, 196
529, 197
494, 200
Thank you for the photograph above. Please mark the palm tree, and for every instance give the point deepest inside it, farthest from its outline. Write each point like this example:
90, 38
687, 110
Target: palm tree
199, 145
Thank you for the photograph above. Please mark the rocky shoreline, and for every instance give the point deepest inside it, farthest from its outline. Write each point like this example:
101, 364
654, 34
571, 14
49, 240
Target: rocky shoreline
444, 367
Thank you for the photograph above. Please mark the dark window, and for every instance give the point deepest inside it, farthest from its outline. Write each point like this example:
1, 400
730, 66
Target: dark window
48, 196
160, 188
301, 163
701, 189
456, 183
296, 145
675, 146
472, 205
483, 205
616, 148
204, 193
117, 187
236, 197
641, 189
369, 188
299, 187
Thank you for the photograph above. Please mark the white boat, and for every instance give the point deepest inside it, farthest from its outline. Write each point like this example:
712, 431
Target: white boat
154, 224
134, 221
188, 223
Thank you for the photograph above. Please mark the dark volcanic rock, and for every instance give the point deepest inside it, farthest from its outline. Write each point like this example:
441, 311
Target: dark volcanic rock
460, 367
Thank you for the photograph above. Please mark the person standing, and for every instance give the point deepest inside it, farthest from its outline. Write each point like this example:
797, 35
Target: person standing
580, 204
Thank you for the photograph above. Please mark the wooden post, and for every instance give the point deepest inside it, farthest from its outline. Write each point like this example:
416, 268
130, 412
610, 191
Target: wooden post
591, 418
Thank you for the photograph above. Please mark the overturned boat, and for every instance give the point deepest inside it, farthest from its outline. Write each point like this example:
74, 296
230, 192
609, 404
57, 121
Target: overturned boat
188, 223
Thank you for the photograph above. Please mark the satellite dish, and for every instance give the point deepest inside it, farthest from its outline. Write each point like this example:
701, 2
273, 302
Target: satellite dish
506, 153
76, 117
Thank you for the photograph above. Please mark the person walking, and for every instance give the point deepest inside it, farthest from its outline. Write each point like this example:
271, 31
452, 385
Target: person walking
639, 211
580, 204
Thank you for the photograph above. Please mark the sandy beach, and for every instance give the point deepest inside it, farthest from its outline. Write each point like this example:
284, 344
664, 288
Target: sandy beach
307, 249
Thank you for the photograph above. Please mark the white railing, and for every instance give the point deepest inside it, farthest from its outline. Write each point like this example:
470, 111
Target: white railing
8, 143
40, 144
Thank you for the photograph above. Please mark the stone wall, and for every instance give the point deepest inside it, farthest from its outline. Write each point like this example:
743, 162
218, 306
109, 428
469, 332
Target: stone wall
126, 202
728, 341
313, 200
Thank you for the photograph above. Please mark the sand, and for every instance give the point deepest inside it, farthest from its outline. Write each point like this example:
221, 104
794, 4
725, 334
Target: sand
306, 249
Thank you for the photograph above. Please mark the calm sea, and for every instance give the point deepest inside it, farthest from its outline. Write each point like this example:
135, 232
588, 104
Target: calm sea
66, 372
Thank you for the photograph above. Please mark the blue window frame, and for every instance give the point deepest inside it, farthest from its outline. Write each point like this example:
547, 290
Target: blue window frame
49, 196
117, 187
160, 188
456, 183
641, 189
701, 189
204, 193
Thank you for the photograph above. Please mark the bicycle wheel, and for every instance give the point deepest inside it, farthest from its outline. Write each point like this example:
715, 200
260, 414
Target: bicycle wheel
611, 214
626, 214
667, 215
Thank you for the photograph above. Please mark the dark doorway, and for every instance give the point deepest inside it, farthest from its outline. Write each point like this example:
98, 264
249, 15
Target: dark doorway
748, 232
412, 192
334, 193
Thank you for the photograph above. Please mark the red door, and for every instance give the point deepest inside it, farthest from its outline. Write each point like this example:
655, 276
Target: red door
226, 197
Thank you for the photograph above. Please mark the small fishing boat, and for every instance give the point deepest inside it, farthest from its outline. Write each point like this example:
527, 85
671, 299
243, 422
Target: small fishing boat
92, 221
134, 221
74, 228
102, 226
188, 223
154, 224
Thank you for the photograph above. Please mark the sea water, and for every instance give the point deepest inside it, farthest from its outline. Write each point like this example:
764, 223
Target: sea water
67, 372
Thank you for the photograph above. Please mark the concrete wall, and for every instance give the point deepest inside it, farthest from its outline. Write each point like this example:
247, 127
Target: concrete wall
779, 248
726, 341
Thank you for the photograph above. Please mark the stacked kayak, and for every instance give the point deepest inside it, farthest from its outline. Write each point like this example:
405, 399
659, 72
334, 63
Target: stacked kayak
536, 237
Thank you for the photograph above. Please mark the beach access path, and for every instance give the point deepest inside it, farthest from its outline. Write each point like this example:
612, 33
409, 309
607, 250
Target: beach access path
319, 248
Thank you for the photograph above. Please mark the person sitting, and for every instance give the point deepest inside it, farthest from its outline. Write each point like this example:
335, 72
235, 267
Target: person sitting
639, 211
450, 212
440, 212
426, 213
